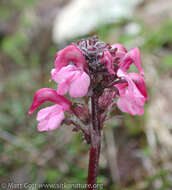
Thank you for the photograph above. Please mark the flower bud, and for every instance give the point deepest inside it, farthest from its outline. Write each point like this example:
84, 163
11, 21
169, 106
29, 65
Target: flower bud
106, 99
82, 112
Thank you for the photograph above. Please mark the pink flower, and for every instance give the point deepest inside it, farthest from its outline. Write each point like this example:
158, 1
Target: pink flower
69, 72
131, 99
51, 117
70, 54
133, 56
140, 84
127, 58
132, 93
72, 79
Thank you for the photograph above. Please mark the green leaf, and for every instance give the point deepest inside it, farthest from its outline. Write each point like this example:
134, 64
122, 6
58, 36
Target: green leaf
168, 61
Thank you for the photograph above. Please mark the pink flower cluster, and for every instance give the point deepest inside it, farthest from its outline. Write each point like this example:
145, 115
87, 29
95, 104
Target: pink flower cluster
72, 73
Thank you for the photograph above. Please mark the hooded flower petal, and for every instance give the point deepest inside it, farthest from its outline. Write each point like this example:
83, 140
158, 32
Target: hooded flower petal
133, 56
131, 99
121, 50
50, 118
72, 79
70, 54
48, 94
119, 47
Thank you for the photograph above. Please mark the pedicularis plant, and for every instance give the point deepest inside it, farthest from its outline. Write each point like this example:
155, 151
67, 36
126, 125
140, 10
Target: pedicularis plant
98, 73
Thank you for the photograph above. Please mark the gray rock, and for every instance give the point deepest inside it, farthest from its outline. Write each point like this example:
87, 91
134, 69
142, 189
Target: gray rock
80, 17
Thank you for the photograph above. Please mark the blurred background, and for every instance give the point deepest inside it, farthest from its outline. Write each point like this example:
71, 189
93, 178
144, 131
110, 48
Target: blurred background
137, 151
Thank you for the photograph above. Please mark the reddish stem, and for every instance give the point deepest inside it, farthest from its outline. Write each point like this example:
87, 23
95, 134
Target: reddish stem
95, 146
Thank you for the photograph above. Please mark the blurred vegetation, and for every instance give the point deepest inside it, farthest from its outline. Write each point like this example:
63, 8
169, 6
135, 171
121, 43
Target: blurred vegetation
26, 58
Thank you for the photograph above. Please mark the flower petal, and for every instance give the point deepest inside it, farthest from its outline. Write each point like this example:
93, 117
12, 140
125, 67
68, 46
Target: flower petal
131, 99
72, 79
139, 81
52, 120
126, 104
122, 88
65, 73
121, 50
79, 87
55, 121
48, 94
133, 56
43, 113
119, 47
63, 88
67, 55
